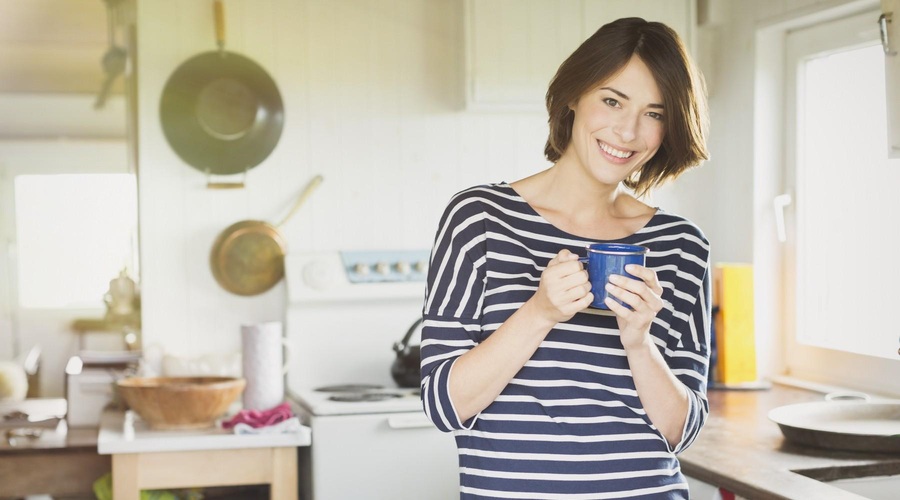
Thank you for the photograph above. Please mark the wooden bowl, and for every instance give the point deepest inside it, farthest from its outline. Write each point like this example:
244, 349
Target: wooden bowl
180, 402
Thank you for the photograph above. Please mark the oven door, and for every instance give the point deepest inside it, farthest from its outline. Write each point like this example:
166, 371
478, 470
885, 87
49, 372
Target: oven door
389, 456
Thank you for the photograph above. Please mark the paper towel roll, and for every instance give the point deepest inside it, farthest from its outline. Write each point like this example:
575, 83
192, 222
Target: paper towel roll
263, 365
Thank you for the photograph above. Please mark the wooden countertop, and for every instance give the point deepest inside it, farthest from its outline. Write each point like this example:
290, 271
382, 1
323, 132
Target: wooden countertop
59, 461
127, 433
54, 433
60, 440
741, 450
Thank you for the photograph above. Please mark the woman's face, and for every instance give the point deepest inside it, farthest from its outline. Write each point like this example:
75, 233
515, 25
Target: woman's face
619, 125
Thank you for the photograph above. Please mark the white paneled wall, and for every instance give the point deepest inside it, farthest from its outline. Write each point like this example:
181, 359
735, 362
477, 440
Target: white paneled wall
373, 101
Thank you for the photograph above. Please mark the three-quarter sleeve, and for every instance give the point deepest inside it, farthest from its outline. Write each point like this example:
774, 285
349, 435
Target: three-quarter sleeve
452, 310
687, 355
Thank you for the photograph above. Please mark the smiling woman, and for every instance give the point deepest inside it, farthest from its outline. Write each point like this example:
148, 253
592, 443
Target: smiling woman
548, 398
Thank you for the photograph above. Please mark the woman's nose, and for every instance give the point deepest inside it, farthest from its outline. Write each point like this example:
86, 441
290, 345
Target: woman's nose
626, 127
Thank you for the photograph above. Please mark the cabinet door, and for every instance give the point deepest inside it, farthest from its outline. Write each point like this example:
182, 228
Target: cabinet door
513, 47
890, 38
677, 14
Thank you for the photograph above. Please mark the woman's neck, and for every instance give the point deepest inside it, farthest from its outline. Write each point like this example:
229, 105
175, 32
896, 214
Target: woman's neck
579, 206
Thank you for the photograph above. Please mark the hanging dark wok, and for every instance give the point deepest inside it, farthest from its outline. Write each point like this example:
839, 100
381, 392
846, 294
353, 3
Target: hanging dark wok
220, 111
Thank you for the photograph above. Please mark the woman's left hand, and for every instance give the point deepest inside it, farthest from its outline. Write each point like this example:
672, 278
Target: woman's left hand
644, 295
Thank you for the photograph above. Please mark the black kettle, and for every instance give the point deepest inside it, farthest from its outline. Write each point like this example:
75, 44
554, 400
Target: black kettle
405, 368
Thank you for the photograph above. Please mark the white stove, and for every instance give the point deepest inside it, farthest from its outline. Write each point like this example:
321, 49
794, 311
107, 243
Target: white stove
354, 400
345, 311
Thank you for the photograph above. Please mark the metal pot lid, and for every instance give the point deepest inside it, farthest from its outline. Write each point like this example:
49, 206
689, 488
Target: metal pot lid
841, 425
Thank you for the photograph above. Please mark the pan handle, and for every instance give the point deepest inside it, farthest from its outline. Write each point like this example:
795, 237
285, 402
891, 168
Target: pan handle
310, 187
211, 184
219, 13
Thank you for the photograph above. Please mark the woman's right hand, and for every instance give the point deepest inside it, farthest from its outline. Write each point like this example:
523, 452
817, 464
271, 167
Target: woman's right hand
564, 288
481, 374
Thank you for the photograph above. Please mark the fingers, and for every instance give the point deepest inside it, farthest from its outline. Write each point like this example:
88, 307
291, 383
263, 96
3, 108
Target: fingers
637, 294
647, 281
630, 298
585, 301
648, 276
564, 255
565, 286
565, 263
571, 282
616, 307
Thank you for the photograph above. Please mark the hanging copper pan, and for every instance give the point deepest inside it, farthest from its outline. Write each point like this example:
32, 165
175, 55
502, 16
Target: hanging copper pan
247, 258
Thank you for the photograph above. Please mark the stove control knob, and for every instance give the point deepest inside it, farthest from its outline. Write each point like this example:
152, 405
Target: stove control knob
402, 267
382, 268
361, 269
421, 266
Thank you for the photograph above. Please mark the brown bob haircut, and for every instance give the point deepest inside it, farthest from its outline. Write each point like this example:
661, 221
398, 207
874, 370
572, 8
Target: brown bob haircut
603, 55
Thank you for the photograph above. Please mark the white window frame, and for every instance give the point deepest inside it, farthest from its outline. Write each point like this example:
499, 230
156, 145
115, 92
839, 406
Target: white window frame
772, 296
22, 328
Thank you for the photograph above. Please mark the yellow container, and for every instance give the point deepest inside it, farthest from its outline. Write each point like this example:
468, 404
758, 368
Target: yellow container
735, 337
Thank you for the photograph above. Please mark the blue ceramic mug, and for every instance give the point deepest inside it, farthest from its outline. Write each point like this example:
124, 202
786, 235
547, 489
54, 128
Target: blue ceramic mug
604, 259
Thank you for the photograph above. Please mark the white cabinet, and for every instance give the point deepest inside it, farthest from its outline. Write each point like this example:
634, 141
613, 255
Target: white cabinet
701, 490
890, 37
513, 47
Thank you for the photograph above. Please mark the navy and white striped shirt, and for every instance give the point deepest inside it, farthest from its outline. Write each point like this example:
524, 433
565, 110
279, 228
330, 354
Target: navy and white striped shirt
570, 424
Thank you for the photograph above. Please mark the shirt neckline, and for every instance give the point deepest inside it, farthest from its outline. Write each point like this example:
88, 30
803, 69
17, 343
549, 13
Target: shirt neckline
633, 236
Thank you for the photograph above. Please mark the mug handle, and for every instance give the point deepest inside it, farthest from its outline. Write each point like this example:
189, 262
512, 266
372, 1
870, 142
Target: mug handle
287, 356
584, 260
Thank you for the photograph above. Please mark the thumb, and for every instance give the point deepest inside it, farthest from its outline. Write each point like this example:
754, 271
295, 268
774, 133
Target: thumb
565, 255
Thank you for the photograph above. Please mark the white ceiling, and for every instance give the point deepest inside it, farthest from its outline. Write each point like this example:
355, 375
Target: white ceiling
53, 46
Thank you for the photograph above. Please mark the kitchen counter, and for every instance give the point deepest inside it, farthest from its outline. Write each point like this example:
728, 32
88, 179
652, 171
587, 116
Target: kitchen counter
121, 434
741, 450
56, 460
145, 458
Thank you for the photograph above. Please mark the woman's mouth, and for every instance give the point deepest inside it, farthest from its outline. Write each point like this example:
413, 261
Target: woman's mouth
614, 154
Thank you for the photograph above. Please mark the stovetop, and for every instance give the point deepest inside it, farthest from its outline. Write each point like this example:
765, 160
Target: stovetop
356, 399
346, 309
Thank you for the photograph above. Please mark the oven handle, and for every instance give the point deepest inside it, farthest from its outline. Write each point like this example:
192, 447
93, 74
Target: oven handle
409, 421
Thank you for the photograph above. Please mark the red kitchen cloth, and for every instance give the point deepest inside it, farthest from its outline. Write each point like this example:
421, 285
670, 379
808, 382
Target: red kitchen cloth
260, 418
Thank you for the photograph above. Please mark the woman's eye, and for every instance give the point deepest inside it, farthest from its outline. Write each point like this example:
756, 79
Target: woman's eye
655, 115
611, 102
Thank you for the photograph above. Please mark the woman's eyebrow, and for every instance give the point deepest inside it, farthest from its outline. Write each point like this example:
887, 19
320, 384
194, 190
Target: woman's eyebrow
624, 96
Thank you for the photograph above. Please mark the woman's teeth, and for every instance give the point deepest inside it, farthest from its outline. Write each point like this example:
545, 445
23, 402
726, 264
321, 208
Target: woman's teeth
615, 152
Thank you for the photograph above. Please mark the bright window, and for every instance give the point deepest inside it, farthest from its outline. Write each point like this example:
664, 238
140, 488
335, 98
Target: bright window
846, 205
840, 275
75, 232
